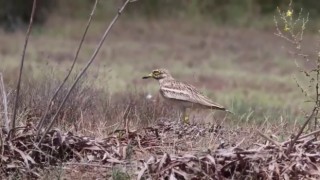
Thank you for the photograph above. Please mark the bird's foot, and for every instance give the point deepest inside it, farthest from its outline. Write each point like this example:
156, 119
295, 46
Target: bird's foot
186, 120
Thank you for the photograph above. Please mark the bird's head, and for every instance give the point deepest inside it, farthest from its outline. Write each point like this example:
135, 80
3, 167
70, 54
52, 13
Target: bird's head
158, 74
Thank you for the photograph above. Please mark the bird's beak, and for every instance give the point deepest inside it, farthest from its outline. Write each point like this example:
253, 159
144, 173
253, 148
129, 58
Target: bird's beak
148, 76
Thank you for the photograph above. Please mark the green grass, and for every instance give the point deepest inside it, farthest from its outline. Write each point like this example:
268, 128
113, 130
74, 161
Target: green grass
244, 69
119, 175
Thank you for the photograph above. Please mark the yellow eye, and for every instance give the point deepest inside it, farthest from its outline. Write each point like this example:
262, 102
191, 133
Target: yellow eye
156, 73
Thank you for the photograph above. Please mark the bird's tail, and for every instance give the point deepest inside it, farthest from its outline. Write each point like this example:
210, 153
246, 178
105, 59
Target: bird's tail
222, 109
226, 110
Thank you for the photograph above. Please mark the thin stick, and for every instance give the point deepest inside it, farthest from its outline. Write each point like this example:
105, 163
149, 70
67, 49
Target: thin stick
1, 144
40, 124
304, 136
5, 105
88, 164
21, 67
236, 146
310, 134
85, 68
301, 130
269, 139
317, 93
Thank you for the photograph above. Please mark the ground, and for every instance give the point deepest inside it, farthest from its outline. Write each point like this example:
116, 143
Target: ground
251, 71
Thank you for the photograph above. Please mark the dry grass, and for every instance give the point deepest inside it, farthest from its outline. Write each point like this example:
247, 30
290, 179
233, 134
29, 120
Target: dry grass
162, 150
220, 60
100, 116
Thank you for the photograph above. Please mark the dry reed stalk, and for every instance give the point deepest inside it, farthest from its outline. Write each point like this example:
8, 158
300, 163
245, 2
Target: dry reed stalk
21, 68
5, 105
107, 31
40, 124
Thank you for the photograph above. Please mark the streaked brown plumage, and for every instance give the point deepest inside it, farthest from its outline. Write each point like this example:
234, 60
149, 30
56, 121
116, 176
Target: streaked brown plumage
182, 94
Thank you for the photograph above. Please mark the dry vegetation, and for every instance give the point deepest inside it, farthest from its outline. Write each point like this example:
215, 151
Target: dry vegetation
109, 129
161, 151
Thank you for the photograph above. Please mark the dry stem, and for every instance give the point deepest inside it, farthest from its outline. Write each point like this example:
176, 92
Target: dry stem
301, 130
5, 105
21, 68
85, 68
269, 139
40, 124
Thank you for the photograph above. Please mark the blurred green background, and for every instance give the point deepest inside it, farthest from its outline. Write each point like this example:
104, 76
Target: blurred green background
15, 13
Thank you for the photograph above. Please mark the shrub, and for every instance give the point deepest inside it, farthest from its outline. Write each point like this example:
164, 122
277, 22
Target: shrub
16, 13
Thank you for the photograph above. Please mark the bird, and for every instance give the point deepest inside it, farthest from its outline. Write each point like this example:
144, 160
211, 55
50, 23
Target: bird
181, 94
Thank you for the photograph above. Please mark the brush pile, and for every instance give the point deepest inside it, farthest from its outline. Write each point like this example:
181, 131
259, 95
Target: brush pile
144, 151
265, 162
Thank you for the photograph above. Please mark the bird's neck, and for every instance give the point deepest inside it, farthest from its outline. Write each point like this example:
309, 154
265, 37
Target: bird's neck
165, 80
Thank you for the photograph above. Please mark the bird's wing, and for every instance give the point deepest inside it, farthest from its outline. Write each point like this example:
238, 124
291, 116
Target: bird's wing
186, 92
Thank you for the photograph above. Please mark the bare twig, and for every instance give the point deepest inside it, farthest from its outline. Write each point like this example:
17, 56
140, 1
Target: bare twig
310, 134
1, 145
317, 100
296, 39
85, 68
301, 130
5, 105
40, 124
87, 164
21, 67
269, 139
302, 137
238, 145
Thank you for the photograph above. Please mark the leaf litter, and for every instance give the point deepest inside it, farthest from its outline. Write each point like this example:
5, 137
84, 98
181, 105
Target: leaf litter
157, 152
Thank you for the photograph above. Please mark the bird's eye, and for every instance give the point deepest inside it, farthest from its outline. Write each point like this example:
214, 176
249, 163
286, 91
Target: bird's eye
156, 73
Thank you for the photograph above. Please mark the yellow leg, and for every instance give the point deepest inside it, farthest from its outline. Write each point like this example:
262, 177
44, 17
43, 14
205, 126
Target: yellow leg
184, 117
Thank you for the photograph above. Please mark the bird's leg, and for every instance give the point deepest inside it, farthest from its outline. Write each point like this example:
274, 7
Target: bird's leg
179, 114
184, 117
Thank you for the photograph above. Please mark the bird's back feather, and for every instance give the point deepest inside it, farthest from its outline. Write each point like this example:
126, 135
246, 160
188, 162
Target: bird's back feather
185, 92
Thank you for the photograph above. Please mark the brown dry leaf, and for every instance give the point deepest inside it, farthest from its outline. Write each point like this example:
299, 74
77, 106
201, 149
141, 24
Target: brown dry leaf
286, 176
25, 157
92, 148
267, 161
142, 171
12, 166
181, 173
90, 157
113, 160
172, 176
164, 161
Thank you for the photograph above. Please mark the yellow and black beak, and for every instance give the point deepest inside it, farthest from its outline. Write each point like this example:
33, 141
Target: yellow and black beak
148, 76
